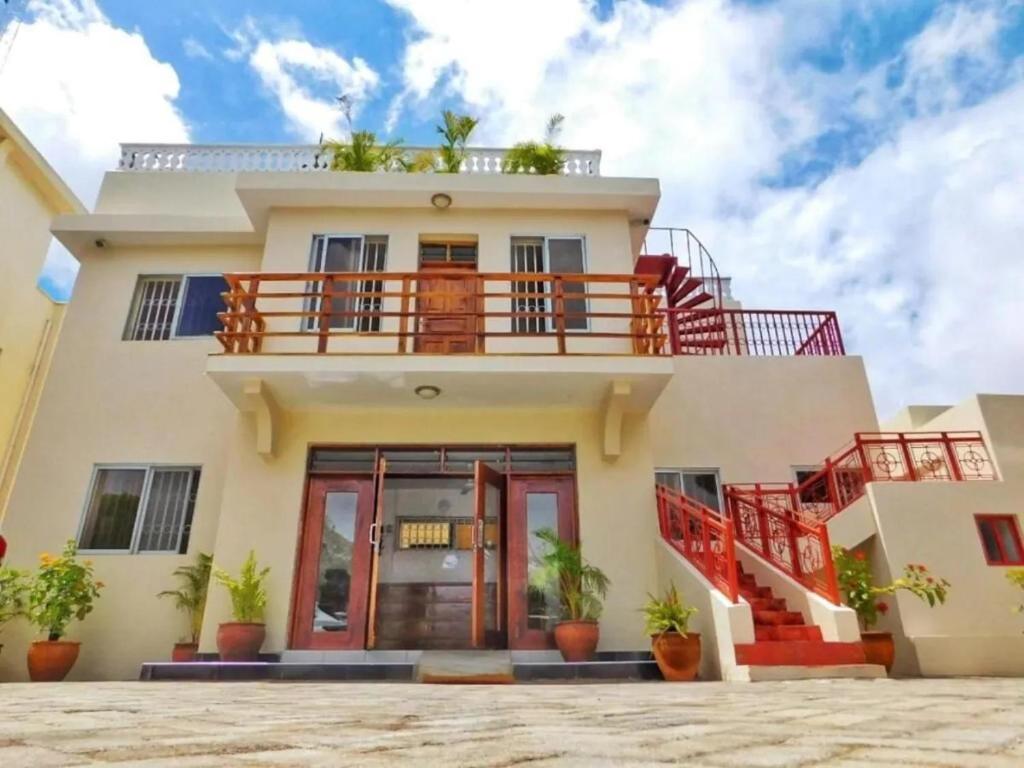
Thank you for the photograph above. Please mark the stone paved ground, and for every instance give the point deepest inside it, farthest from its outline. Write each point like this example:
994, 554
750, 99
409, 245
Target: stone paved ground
836, 723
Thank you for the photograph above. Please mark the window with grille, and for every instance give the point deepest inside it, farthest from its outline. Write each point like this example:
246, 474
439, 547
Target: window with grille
140, 509
355, 305
175, 306
534, 304
701, 485
1000, 539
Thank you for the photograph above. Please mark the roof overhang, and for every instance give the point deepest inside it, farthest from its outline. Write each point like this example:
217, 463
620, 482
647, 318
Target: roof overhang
79, 233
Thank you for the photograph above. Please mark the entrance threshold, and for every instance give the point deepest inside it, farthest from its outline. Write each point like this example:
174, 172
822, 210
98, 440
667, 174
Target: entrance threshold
467, 667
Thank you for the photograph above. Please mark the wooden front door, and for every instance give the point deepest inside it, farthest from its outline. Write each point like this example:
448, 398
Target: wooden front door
447, 309
535, 503
334, 565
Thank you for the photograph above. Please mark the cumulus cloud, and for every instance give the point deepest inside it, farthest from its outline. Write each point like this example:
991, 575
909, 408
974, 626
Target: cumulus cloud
304, 79
77, 86
194, 49
911, 240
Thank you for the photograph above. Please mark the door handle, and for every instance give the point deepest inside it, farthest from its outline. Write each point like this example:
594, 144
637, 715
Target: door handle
480, 534
374, 537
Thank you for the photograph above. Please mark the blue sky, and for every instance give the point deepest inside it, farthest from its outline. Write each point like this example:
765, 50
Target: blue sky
862, 155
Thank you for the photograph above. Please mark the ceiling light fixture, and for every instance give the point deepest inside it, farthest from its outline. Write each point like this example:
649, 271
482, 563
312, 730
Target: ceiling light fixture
427, 391
441, 201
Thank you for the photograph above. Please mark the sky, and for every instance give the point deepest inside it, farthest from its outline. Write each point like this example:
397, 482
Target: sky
865, 156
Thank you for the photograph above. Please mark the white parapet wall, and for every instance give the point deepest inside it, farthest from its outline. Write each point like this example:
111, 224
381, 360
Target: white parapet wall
721, 624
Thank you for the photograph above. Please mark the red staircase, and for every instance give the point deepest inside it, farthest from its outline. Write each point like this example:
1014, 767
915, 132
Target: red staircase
782, 637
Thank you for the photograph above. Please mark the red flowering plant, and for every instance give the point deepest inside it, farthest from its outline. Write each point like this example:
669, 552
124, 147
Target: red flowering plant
853, 572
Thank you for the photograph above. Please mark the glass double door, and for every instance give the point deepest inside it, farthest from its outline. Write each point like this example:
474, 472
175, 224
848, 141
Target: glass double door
400, 562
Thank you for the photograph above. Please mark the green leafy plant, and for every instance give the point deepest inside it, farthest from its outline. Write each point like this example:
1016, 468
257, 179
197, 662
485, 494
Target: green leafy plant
455, 130
63, 589
191, 596
667, 614
362, 153
544, 158
853, 572
580, 587
248, 593
14, 586
1016, 577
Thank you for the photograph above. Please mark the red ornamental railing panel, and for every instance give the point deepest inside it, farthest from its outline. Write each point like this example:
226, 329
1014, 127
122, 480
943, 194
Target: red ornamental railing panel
702, 536
798, 548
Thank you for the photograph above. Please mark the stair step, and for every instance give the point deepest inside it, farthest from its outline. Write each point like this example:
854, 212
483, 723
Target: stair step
768, 603
774, 618
797, 653
696, 300
660, 265
684, 289
750, 593
703, 343
674, 280
787, 633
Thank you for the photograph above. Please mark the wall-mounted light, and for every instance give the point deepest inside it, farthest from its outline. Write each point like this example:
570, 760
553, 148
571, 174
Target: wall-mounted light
427, 391
441, 201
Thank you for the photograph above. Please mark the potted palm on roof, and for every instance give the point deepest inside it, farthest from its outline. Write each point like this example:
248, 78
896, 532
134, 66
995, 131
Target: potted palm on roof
190, 598
241, 639
580, 588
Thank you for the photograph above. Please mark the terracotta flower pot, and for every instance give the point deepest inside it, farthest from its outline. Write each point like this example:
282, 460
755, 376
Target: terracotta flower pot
577, 640
678, 656
879, 648
184, 652
49, 661
240, 641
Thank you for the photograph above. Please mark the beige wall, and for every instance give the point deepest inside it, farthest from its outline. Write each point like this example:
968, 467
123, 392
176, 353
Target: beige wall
114, 401
756, 418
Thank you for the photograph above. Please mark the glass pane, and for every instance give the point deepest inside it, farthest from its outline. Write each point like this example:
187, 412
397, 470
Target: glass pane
413, 461
988, 540
343, 254
464, 253
526, 460
462, 461
201, 304
668, 479
433, 252
165, 510
492, 557
702, 487
343, 460
542, 609
1008, 538
334, 583
110, 519
565, 256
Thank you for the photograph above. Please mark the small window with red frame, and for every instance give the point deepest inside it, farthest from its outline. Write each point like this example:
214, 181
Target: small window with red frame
1000, 538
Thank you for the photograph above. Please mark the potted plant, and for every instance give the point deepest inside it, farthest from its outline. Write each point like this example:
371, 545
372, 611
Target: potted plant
853, 572
1016, 577
455, 130
13, 588
580, 588
191, 598
676, 650
362, 153
241, 639
62, 590
543, 158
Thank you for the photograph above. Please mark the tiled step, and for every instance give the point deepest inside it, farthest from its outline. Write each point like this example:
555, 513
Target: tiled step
748, 592
801, 632
767, 603
774, 618
801, 653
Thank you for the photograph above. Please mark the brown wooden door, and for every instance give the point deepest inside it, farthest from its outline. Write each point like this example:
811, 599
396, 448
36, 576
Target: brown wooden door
487, 561
447, 309
334, 565
534, 503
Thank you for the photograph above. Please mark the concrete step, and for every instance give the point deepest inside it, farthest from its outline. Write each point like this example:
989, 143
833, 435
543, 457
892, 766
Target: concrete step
774, 618
466, 667
783, 632
802, 653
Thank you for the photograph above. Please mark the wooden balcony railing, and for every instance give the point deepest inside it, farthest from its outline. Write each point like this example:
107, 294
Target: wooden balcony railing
451, 311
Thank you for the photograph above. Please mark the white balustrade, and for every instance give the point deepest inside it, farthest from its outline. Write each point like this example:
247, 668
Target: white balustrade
231, 158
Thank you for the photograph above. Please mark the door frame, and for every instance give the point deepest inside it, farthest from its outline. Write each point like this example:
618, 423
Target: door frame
520, 636
449, 270
308, 571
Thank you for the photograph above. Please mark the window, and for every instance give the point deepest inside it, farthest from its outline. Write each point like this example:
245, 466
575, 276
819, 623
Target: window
140, 509
360, 309
175, 306
1000, 538
548, 255
701, 485
815, 493
461, 250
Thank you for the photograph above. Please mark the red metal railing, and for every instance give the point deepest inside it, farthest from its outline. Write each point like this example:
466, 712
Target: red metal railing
882, 456
700, 535
798, 548
754, 332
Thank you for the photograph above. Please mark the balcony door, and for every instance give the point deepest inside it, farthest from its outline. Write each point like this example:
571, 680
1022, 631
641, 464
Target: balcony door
447, 302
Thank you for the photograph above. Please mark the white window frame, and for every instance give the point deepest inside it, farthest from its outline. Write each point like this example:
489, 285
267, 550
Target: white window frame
136, 306
546, 258
317, 254
680, 471
140, 514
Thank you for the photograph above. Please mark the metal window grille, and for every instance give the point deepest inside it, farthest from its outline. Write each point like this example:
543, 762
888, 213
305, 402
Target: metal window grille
167, 504
156, 302
528, 309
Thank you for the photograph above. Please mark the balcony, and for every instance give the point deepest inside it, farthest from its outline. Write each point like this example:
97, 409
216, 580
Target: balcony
755, 333
236, 158
450, 337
